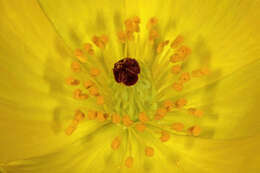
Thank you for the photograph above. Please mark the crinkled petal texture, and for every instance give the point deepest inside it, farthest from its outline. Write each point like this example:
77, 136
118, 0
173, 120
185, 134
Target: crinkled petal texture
37, 40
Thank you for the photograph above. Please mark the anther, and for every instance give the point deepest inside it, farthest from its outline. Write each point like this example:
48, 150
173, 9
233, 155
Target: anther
79, 54
92, 115
127, 121
160, 113
72, 81
78, 94
196, 112
177, 86
88, 84
177, 127
176, 69
143, 117
100, 100
75, 66
94, 72
116, 143
149, 151
140, 127
165, 136
79, 116
116, 118
161, 46
151, 23
181, 102
93, 91
178, 40
88, 47
194, 130
129, 162
185, 77
100, 116
168, 105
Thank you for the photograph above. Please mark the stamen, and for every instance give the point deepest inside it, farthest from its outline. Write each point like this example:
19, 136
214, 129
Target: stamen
140, 127
78, 94
72, 81
127, 121
122, 36
184, 51
93, 91
177, 86
129, 162
151, 23
75, 66
116, 118
88, 47
194, 130
116, 143
92, 115
165, 136
185, 77
178, 40
200, 72
70, 129
168, 105
79, 54
176, 69
176, 58
161, 46
181, 102
100, 41
88, 84
161, 112
178, 127
149, 151
100, 116
100, 100
153, 34
196, 112
143, 117
94, 72
79, 116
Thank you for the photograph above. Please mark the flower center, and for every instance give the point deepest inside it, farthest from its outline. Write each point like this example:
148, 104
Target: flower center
126, 71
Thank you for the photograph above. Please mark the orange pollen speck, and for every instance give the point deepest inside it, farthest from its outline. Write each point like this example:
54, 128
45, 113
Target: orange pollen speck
165, 136
94, 72
176, 69
181, 102
72, 81
177, 86
127, 121
92, 115
149, 151
129, 162
185, 77
168, 105
88, 84
177, 127
100, 100
75, 66
100, 116
140, 127
116, 118
143, 117
116, 143
88, 47
178, 40
78, 94
196, 112
195, 130
79, 116
93, 91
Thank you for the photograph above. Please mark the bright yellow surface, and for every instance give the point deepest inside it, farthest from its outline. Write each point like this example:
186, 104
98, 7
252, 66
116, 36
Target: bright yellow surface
37, 40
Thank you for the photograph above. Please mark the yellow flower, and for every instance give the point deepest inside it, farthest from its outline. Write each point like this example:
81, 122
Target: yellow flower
129, 86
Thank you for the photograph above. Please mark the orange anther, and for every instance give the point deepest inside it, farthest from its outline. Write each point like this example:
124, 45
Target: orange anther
75, 66
94, 72
72, 81
136, 19
178, 40
149, 151
176, 69
116, 118
79, 116
143, 117
153, 34
72, 127
185, 77
176, 58
178, 127
100, 116
100, 100
181, 102
168, 105
92, 115
127, 121
165, 136
116, 143
184, 51
151, 23
140, 127
93, 91
122, 36
79, 54
160, 113
177, 86
129, 162
194, 130
196, 112
161, 46
88, 47
88, 84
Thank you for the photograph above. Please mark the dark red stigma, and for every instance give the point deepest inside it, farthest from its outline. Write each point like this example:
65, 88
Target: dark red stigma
126, 71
